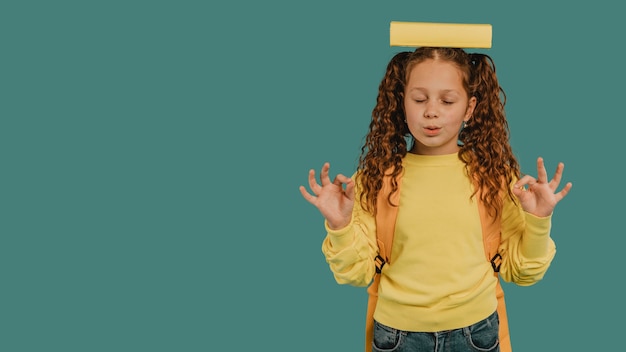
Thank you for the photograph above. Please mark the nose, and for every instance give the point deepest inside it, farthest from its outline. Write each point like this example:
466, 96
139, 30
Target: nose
431, 109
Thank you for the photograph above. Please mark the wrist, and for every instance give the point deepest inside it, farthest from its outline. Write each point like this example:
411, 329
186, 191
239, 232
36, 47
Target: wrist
337, 226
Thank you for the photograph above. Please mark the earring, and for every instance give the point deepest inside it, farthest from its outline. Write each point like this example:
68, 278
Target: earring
459, 142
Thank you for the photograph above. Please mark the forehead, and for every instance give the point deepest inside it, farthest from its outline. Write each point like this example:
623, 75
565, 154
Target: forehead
437, 73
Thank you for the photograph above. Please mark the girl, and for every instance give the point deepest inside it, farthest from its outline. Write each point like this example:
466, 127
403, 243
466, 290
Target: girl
437, 150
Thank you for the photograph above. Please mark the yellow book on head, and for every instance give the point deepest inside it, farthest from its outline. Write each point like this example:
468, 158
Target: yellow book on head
453, 35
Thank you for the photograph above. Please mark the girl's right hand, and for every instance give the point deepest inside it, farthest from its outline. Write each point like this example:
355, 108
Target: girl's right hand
331, 199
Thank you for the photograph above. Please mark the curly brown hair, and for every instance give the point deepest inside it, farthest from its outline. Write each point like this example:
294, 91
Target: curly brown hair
486, 150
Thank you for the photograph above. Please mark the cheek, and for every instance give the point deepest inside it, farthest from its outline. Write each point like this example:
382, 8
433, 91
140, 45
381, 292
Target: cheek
412, 114
411, 125
411, 110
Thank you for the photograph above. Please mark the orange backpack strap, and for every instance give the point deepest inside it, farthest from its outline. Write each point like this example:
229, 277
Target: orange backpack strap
385, 227
491, 242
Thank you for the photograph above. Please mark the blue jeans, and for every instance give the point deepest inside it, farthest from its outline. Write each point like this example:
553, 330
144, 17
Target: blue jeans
482, 336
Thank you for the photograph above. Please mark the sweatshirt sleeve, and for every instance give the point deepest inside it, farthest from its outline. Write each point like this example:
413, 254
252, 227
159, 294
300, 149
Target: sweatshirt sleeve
350, 251
526, 247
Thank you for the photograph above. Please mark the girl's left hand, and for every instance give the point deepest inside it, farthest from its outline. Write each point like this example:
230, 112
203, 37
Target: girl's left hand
540, 198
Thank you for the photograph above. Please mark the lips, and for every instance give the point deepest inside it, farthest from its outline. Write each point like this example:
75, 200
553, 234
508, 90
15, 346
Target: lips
431, 130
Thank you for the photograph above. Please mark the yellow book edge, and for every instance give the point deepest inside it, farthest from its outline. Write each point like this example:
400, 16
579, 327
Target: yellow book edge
456, 35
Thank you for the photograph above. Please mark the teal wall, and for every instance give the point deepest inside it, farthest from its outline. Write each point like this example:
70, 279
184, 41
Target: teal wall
151, 153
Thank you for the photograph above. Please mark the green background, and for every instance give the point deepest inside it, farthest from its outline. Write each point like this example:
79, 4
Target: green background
151, 154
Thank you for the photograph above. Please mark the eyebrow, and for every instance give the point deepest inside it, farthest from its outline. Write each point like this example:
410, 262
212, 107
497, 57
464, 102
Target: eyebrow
445, 91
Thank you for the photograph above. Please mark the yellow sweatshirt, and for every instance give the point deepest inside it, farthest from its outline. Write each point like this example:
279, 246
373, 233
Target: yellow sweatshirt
438, 277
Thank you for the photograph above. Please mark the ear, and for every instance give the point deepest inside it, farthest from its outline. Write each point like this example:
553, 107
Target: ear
471, 105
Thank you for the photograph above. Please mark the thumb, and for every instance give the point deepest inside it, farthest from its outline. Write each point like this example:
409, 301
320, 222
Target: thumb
340, 180
350, 189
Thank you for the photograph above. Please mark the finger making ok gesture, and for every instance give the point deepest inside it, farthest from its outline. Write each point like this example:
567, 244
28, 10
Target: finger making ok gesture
331, 198
538, 196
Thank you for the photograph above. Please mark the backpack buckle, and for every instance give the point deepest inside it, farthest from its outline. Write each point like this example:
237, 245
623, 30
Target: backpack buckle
379, 262
496, 262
